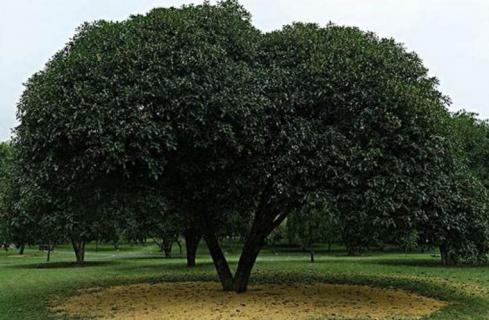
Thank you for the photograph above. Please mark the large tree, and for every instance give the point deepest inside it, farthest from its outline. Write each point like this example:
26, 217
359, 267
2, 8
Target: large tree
197, 105
388, 112
136, 105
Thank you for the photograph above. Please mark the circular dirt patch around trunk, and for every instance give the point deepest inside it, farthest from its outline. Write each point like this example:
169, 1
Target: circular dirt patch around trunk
206, 301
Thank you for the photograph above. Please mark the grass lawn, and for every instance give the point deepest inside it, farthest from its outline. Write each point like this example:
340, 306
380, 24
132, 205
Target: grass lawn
28, 284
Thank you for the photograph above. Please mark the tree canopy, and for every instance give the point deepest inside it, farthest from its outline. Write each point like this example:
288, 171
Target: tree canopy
6, 158
219, 120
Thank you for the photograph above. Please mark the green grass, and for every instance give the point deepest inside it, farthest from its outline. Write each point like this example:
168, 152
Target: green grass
28, 283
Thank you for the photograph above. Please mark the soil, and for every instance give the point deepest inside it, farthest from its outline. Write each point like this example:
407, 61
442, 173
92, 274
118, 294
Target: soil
206, 301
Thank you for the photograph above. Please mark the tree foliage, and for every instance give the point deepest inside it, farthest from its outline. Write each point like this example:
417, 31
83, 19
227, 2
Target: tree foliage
472, 137
197, 108
6, 159
313, 224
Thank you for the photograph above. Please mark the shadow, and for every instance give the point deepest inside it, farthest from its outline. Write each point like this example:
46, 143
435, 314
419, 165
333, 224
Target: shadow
65, 265
171, 267
151, 257
424, 263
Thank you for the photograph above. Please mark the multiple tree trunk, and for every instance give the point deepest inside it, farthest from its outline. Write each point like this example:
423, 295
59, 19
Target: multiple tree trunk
192, 239
266, 219
262, 226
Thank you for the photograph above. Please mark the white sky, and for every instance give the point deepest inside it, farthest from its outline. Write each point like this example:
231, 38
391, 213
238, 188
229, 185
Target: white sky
451, 36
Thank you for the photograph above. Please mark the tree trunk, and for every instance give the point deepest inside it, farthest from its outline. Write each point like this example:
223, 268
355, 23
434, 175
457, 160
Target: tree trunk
447, 258
79, 248
192, 239
311, 241
220, 261
247, 260
48, 257
311, 254
21, 249
266, 220
167, 246
353, 250
179, 244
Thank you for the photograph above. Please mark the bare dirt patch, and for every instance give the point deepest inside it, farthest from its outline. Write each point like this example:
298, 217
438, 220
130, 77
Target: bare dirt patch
206, 301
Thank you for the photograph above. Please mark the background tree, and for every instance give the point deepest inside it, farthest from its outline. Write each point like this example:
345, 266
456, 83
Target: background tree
150, 216
67, 191
313, 224
472, 136
15, 194
388, 112
6, 158
456, 219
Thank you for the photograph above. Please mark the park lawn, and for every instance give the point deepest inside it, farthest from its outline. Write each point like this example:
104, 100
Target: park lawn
28, 285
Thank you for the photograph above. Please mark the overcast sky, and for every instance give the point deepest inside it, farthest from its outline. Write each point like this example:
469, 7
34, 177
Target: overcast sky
451, 36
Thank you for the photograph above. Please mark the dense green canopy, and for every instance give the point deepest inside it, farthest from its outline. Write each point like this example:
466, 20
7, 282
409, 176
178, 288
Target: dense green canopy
198, 107
6, 158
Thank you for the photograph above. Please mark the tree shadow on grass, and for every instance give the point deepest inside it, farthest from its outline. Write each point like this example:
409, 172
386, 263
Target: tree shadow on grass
179, 267
151, 257
425, 263
65, 265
